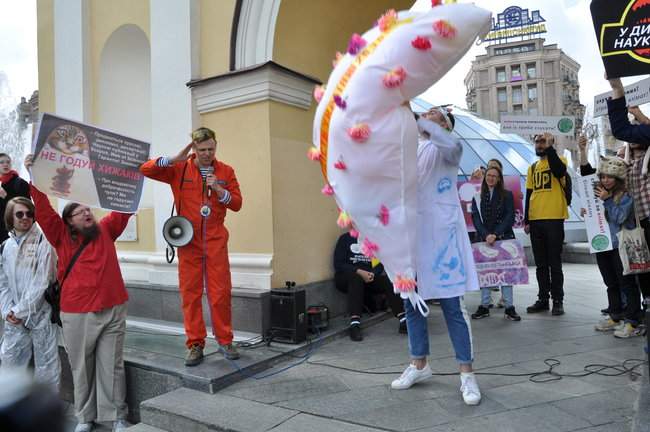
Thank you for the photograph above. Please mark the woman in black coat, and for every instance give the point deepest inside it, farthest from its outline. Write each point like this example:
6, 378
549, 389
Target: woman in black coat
11, 186
493, 214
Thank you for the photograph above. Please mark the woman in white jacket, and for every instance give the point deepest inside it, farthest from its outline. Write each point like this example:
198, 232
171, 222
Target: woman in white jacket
27, 266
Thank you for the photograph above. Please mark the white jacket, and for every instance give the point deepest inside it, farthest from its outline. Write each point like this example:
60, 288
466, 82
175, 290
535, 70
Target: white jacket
445, 262
27, 266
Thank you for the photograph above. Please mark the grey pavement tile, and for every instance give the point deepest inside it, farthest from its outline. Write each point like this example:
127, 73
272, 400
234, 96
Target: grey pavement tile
529, 393
607, 407
457, 407
609, 427
404, 417
306, 422
541, 418
492, 381
291, 389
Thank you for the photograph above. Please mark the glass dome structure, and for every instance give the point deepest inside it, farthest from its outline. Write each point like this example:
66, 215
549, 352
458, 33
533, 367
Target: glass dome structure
483, 141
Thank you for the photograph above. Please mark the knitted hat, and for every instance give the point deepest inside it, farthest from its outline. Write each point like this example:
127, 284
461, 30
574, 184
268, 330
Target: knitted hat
612, 166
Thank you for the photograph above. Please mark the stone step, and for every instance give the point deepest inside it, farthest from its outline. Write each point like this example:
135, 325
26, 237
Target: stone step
141, 427
185, 410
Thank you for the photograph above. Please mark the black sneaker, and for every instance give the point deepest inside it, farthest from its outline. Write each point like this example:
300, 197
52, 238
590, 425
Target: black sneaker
355, 331
481, 312
402, 324
558, 309
539, 306
605, 311
511, 314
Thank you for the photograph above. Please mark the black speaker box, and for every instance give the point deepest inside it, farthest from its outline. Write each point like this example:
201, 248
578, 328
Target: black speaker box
288, 317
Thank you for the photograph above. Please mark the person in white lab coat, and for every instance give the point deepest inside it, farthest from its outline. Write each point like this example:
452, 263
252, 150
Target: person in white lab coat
445, 265
27, 266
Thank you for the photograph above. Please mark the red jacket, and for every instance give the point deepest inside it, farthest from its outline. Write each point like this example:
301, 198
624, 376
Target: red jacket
193, 195
95, 281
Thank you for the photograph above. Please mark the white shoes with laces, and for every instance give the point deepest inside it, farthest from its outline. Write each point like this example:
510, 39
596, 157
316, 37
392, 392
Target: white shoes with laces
469, 388
83, 427
411, 376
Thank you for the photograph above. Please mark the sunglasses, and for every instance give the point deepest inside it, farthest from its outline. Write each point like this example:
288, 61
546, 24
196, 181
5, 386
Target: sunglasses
22, 214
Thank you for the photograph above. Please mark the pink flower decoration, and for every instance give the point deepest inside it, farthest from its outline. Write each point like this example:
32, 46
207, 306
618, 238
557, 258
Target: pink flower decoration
444, 29
344, 220
383, 215
340, 102
435, 3
337, 59
319, 91
356, 44
369, 248
387, 20
354, 233
339, 164
394, 78
327, 190
421, 43
404, 284
359, 132
314, 154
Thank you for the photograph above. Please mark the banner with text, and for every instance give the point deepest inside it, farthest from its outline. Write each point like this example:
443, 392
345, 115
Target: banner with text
623, 33
598, 235
468, 188
82, 163
531, 125
635, 94
503, 263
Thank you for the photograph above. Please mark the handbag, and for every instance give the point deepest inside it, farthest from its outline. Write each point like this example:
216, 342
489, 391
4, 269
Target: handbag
633, 249
53, 292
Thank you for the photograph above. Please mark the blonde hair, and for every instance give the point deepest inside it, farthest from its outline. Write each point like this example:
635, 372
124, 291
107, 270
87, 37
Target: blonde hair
203, 134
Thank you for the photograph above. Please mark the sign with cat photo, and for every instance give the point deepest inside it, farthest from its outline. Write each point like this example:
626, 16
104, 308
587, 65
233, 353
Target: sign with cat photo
83, 163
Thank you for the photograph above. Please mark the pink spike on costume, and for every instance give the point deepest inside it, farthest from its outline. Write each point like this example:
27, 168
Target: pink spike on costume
359, 132
444, 29
313, 154
404, 284
327, 190
319, 91
395, 77
387, 20
369, 248
383, 215
344, 220
337, 59
339, 164
435, 3
356, 44
340, 102
421, 43
354, 233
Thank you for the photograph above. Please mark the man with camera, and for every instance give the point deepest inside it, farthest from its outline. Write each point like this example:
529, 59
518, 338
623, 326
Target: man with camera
546, 210
204, 189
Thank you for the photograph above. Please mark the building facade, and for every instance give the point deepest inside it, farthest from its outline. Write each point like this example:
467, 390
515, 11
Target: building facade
525, 77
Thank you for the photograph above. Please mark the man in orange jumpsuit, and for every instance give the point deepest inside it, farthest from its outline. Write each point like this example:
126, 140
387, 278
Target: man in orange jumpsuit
204, 188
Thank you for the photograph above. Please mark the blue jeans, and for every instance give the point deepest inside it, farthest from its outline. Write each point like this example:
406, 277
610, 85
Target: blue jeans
506, 292
458, 327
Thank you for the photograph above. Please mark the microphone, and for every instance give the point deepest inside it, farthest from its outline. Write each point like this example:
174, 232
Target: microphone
209, 171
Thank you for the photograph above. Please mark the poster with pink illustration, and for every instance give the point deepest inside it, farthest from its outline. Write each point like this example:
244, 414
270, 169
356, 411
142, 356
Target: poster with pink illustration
503, 263
468, 188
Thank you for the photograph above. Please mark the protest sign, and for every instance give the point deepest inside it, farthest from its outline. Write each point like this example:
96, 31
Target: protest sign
598, 234
82, 163
503, 263
623, 32
531, 125
635, 94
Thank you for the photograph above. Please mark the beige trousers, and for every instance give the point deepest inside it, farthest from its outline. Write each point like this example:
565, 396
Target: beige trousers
94, 342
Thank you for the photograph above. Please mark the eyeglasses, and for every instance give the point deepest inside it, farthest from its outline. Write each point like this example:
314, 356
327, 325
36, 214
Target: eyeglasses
22, 214
82, 211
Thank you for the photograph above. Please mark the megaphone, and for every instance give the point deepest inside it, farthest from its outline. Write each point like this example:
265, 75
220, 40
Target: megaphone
178, 231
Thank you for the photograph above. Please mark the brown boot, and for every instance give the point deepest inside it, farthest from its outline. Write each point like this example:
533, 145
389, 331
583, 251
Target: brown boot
194, 355
229, 351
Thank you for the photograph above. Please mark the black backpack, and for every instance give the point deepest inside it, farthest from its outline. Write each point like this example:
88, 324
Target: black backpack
568, 185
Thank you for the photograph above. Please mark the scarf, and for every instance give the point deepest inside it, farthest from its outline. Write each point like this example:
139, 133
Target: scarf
6, 178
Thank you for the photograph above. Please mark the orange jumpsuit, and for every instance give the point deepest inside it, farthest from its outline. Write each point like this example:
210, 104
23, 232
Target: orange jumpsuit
203, 263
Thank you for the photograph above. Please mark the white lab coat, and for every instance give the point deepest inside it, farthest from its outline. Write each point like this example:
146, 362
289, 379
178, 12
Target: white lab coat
27, 266
445, 264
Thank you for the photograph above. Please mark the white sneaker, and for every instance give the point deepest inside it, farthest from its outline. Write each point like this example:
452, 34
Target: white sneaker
469, 389
411, 376
608, 324
120, 425
628, 331
84, 427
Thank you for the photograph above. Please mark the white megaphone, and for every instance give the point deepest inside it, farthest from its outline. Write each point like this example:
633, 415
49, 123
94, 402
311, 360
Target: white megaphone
178, 231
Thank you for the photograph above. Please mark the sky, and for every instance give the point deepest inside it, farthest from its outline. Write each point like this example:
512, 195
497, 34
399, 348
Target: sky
568, 23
